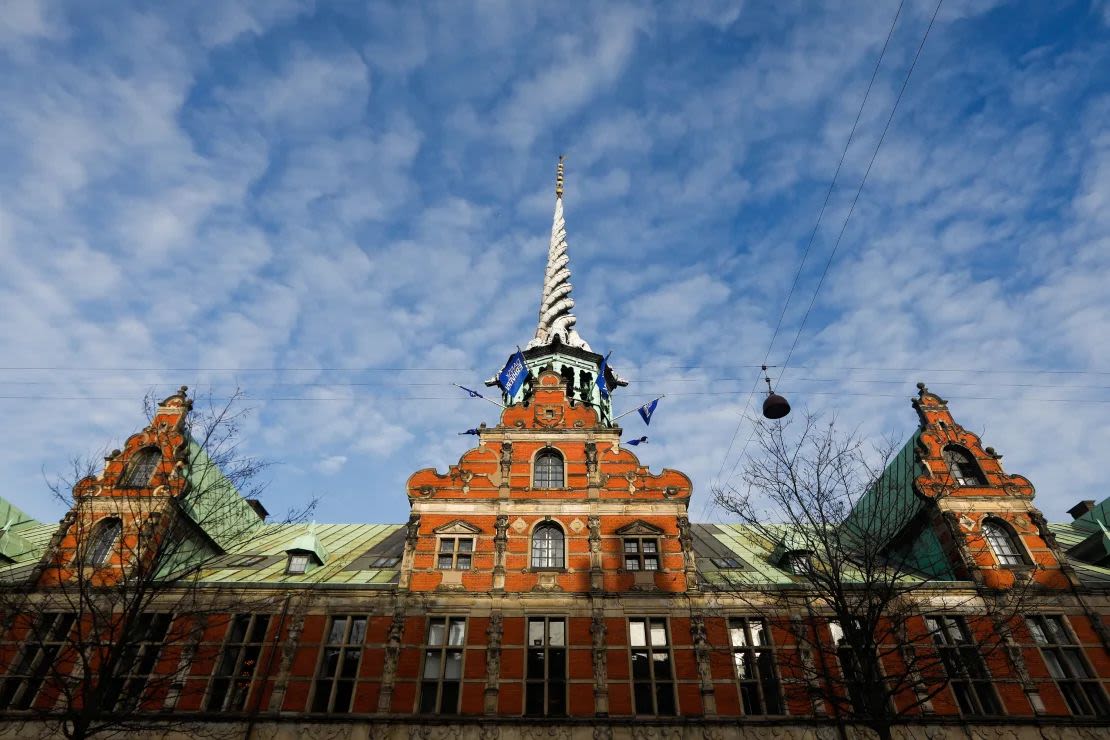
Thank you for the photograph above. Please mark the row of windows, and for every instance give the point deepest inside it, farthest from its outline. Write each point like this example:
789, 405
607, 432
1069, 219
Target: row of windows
548, 550
545, 679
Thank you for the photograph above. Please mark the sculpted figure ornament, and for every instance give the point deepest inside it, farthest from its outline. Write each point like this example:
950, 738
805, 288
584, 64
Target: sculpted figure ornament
594, 524
506, 461
412, 531
701, 650
591, 459
494, 631
598, 631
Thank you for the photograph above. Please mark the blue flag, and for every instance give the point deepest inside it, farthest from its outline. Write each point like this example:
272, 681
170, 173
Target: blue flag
470, 431
647, 410
514, 374
473, 394
601, 384
640, 441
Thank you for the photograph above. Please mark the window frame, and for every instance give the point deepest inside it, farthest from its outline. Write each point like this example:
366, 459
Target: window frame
549, 453
98, 550
233, 656
997, 532
549, 554
966, 671
456, 553
140, 658
20, 686
658, 687
756, 687
141, 468
1083, 695
962, 466
302, 559
639, 557
337, 682
549, 654
443, 652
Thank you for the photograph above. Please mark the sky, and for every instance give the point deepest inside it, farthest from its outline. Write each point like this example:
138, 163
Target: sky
342, 209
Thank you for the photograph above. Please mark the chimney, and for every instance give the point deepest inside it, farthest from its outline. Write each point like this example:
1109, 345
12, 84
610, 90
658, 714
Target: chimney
262, 513
1081, 508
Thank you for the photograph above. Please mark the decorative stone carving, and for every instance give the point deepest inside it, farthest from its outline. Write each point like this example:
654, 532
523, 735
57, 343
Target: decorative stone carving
520, 525
598, 631
506, 461
594, 524
392, 653
576, 525
591, 460
1043, 531
494, 632
556, 320
412, 531
501, 533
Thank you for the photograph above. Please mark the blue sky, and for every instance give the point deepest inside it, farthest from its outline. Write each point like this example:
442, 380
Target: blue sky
299, 198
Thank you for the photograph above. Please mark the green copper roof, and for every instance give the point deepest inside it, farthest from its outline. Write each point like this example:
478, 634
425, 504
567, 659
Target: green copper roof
214, 504
357, 555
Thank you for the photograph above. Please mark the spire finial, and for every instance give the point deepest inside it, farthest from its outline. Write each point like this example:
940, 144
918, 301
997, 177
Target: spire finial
556, 320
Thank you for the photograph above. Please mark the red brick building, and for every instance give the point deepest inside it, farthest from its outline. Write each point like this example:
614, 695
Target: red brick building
549, 585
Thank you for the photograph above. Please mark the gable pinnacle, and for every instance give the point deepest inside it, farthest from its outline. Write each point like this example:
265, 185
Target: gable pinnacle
556, 319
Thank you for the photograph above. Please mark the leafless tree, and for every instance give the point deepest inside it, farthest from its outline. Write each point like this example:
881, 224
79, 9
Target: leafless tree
835, 513
94, 650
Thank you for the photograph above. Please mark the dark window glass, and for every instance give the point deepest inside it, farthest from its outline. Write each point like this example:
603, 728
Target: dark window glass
754, 658
548, 546
48, 638
549, 470
545, 688
335, 681
963, 664
231, 682
964, 470
1068, 666
105, 535
641, 553
652, 668
455, 553
141, 468
1001, 543
443, 658
138, 660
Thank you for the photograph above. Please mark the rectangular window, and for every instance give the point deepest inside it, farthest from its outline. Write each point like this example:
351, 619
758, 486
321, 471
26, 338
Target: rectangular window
641, 553
455, 553
138, 659
1068, 666
441, 682
231, 683
37, 655
754, 658
546, 677
964, 665
335, 681
652, 667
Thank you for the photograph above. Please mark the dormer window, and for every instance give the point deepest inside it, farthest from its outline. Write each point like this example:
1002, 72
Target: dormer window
1002, 544
298, 564
799, 562
548, 470
104, 538
963, 468
141, 468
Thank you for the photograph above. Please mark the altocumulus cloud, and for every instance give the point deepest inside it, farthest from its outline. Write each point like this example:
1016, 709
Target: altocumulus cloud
343, 209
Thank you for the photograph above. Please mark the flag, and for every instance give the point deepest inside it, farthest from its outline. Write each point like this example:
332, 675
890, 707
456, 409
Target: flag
640, 441
601, 384
473, 394
514, 374
647, 410
470, 431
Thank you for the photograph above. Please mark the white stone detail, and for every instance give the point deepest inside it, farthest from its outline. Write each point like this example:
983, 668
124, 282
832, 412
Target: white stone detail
556, 319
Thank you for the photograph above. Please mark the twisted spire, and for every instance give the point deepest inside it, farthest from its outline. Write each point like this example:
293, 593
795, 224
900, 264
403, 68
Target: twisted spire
556, 319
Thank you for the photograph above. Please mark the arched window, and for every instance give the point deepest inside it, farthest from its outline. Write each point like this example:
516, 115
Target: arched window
548, 546
1001, 543
549, 470
141, 468
964, 470
104, 537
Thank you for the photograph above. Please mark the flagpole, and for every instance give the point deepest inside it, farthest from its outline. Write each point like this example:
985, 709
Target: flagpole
495, 403
632, 411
